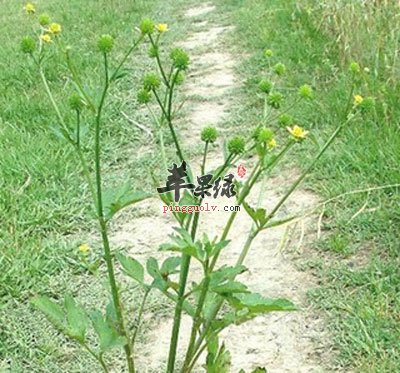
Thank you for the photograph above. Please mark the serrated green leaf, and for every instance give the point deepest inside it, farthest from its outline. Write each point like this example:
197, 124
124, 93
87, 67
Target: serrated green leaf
225, 273
259, 215
53, 311
183, 243
152, 267
77, 319
108, 336
258, 304
116, 199
153, 270
131, 267
230, 287
220, 363
170, 265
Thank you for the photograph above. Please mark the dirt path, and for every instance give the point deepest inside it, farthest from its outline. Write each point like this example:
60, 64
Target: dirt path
282, 342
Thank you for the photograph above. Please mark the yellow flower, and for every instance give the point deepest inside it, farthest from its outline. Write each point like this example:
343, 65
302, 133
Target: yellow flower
162, 27
29, 8
46, 38
297, 132
272, 144
358, 100
84, 248
55, 28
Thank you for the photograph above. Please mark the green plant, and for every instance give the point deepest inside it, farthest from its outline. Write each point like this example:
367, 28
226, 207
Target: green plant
219, 285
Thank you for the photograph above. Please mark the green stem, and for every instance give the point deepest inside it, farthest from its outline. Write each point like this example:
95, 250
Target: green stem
103, 224
203, 164
99, 358
155, 45
306, 172
127, 54
185, 265
64, 127
171, 127
161, 137
140, 314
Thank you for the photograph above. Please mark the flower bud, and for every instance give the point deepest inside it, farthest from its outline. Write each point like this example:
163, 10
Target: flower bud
272, 144
179, 58
279, 69
28, 45
29, 8
147, 26
275, 100
265, 86
354, 68
236, 145
105, 43
305, 91
44, 19
55, 28
46, 38
75, 102
143, 96
209, 134
268, 53
358, 99
151, 81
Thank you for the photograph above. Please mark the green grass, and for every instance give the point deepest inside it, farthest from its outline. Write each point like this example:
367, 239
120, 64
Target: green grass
361, 302
45, 206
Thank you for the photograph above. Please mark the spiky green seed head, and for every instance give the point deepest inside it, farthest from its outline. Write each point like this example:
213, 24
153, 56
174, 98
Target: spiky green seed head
105, 43
265, 86
279, 69
147, 26
268, 53
236, 145
28, 45
354, 67
143, 96
151, 81
75, 102
285, 120
306, 92
275, 100
209, 134
180, 59
44, 19
367, 105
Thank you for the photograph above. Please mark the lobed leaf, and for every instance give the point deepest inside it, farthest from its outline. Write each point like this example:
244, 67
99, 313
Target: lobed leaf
108, 336
131, 267
115, 200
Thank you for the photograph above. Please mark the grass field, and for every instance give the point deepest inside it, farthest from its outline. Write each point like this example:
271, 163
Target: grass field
361, 297
44, 206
